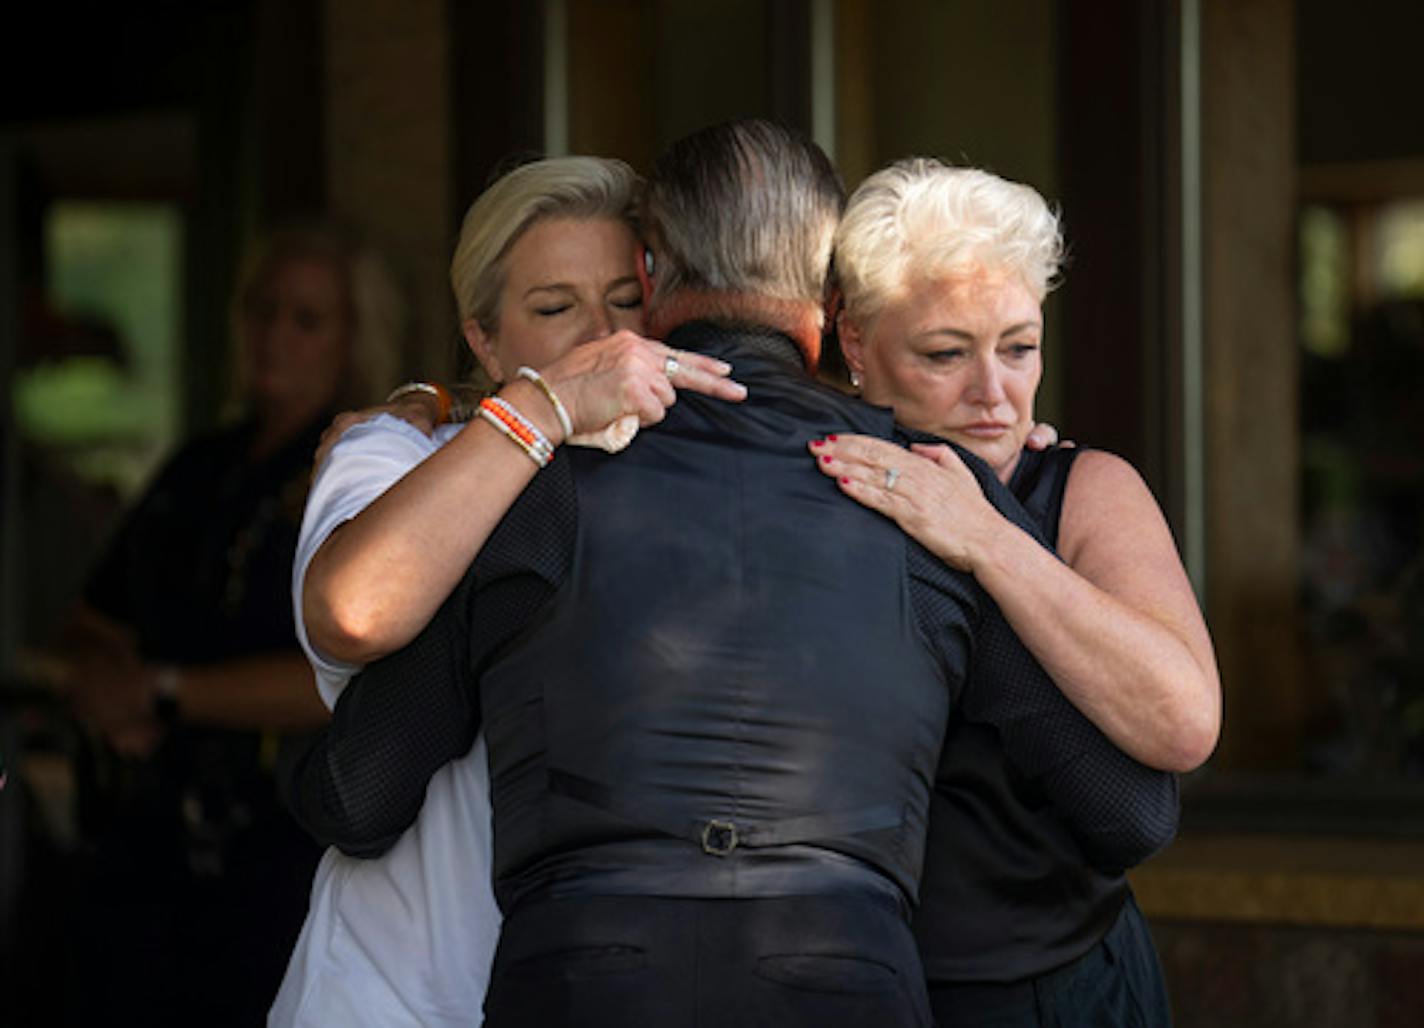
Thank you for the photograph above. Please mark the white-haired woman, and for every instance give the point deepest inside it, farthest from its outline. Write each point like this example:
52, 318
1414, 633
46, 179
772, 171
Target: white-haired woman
944, 271
546, 281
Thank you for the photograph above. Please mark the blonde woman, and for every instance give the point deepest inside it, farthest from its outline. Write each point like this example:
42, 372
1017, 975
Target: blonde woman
545, 278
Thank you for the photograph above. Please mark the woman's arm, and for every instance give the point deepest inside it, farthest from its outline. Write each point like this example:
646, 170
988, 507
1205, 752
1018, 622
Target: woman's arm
1124, 578
375, 582
1118, 810
265, 691
1117, 626
115, 691
361, 780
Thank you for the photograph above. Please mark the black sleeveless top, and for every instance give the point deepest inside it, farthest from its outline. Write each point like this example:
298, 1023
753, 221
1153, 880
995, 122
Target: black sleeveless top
1007, 892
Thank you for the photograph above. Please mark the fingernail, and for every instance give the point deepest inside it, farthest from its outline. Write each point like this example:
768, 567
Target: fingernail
826, 459
831, 437
818, 442
845, 481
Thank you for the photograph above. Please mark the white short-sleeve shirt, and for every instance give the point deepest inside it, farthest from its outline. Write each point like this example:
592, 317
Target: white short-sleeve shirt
407, 938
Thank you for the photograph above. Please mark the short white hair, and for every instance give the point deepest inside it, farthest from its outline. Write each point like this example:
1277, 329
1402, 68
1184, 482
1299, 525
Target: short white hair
922, 218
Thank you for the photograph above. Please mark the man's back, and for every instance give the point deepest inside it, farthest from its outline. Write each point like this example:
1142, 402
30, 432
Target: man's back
729, 693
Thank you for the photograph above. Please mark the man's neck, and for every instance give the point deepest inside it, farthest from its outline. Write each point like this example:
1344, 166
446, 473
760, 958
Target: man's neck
798, 320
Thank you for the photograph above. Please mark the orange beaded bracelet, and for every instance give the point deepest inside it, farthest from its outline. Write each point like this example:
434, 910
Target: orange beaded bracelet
502, 415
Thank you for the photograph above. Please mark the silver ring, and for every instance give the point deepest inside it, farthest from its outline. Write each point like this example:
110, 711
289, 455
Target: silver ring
892, 475
671, 366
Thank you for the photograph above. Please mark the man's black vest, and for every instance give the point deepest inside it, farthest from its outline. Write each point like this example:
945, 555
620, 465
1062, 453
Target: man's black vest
730, 695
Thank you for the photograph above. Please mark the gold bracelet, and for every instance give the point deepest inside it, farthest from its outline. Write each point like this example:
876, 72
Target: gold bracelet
559, 409
443, 401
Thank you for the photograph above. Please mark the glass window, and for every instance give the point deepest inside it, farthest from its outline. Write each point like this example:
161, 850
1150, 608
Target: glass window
1362, 334
102, 393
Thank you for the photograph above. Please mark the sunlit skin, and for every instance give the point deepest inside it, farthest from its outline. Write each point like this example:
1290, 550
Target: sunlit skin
571, 308
569, 281
296, 338
958, 356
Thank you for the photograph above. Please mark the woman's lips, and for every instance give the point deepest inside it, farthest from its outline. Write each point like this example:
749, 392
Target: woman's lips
984, 430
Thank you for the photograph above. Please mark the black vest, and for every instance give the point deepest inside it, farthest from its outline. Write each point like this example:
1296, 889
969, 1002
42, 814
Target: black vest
1007, 893
729, 696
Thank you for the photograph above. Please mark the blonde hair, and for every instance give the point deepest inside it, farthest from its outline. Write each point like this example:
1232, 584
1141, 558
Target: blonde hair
376, 308
570, 187
922, 218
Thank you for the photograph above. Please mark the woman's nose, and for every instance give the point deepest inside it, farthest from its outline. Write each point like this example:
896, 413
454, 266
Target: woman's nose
600, 324
988, 386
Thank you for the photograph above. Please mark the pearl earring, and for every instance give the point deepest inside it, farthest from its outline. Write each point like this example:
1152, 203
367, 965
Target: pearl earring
855, 379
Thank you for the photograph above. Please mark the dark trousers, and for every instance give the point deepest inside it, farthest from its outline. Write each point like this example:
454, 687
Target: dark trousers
632, 960
1116, 984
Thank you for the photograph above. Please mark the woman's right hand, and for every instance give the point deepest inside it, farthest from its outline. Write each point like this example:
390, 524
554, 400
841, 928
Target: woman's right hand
926, 490
420, 409
625, 374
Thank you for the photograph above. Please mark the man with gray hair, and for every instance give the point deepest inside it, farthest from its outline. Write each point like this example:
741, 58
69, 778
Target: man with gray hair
713, 691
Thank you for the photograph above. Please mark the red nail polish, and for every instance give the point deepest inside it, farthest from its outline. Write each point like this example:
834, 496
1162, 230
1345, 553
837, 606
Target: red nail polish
831, 437
845, 481
818, 442
826, 459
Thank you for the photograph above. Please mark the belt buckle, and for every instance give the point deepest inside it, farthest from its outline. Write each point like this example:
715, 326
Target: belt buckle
719, 837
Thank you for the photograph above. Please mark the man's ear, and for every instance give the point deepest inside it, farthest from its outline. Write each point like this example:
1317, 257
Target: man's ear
483, 346
645, 264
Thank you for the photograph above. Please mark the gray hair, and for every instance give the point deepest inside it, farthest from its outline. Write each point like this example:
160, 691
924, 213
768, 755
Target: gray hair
743, 207
919, 217
565, 187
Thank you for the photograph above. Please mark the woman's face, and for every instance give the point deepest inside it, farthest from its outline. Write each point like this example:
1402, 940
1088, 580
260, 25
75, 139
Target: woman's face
296, 342
957, 356
569, 281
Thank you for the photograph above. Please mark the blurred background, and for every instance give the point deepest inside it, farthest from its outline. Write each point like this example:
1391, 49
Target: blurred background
1242, 183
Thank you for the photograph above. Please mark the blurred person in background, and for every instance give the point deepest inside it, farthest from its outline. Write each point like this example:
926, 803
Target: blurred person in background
182, 664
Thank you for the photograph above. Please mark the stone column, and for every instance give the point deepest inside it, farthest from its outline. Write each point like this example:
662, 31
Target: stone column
1251, 381
388, 154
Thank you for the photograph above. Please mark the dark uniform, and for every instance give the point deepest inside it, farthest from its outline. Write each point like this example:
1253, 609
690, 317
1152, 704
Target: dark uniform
199, 877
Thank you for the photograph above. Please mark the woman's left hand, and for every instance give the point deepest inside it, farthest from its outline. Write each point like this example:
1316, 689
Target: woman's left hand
926, 490
1044, 436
